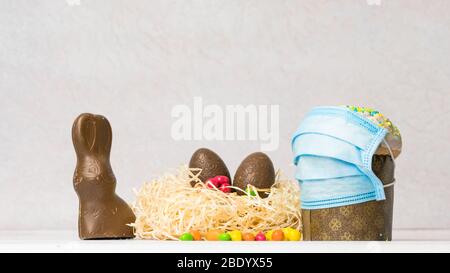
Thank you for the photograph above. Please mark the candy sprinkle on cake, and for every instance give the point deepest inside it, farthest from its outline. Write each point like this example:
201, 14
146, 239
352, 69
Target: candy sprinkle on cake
376, 117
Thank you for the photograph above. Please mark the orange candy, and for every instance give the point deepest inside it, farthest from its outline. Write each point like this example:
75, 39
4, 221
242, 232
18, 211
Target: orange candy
278, 235
248, 237
213, 235
196, 234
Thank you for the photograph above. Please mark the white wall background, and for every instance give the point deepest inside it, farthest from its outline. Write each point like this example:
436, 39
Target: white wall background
134, 60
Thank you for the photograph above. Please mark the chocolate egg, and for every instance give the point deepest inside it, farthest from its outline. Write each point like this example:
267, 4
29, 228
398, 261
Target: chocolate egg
210, 163
257, 170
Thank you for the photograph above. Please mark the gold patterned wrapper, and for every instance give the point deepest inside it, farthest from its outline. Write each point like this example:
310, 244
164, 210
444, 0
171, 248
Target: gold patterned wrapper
369, 221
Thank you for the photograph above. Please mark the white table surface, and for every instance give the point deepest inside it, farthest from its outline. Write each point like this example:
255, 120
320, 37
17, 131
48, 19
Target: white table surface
67, 241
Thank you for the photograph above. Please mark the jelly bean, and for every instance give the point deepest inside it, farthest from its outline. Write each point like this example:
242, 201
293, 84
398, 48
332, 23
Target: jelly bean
293, 234
221, 179
224, 237
277, 235
236, 235
286, 233
250, 191
210, 182
213, 235
260, 237
225, 188
196, 234
248, 237
186, 237
269, 235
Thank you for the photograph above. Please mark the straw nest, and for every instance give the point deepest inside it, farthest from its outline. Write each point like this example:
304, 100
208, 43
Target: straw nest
168, 206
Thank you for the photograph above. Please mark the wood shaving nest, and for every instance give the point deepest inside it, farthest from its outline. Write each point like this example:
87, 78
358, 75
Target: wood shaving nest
168, 206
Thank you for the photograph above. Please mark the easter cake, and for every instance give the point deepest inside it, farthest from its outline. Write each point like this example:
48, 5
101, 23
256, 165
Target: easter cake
365, 220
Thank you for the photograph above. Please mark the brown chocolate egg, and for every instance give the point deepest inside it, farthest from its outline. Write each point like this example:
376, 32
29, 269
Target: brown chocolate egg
257, 170
210, 163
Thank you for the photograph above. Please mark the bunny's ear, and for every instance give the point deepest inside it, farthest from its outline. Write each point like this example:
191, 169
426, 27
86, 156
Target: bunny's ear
102, 143
84, 133
92, 134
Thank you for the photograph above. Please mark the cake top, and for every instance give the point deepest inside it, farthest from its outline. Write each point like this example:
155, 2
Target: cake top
393, 138
376, 117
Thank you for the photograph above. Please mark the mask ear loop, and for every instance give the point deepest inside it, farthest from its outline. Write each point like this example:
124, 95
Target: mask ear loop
393, 162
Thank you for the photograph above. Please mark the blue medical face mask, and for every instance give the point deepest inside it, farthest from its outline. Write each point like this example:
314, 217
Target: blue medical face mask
333, 150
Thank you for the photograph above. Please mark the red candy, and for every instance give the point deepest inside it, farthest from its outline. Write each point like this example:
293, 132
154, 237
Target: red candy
222, 179
210, 182
221, 182
260, 237
225, 188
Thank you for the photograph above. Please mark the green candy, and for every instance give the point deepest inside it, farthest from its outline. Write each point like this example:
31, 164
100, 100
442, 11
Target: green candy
187, 237
250, 191
224, 237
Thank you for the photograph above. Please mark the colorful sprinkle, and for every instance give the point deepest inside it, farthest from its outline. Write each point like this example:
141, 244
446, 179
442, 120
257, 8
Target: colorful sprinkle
376, 117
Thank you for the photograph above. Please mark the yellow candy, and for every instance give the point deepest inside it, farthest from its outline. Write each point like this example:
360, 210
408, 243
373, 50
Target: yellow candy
286, 233
295, 235
291, 234
269, 235
236, 235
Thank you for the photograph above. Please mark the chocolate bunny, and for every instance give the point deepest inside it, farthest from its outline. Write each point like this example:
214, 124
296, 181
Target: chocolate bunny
102, 213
